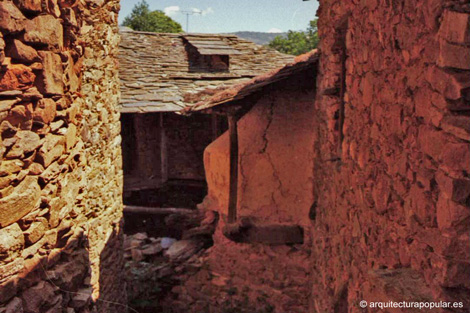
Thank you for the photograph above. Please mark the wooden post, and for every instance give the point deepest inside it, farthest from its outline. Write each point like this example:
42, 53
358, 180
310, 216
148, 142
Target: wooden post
215, 126
233, 191
163, 149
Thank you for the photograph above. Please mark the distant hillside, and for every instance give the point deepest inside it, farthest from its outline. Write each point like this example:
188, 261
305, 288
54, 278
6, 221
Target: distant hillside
258, 37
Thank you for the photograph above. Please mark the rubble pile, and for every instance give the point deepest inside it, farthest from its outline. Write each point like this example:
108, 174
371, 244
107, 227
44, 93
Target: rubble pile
154, 266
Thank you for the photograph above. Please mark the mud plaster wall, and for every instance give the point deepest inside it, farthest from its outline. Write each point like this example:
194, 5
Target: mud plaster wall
275, 160
60, 170
393, 209
275, 186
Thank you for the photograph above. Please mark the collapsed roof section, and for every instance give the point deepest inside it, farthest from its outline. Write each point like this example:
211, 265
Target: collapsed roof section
225, 97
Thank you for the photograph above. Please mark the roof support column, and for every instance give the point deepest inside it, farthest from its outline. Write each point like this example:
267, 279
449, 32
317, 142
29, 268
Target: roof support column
233, 192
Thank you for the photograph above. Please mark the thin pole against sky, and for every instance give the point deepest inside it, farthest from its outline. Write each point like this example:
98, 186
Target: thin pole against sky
188, 13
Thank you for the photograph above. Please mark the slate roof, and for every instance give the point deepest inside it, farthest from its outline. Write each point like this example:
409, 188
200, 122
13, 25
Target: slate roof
154, 68
240, 91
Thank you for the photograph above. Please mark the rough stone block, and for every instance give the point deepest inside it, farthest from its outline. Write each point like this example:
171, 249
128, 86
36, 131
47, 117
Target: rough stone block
10, 167
35, 169
53, 7
6, 105
56, 205
26, 141
14, 306
450, 84
20, 116
454, 56
455, 27
52, 149
11, 242
49, 81
31, 94
70, 274
17, 76
36, 231
29, 5
25, 197
52, 171
44, 30
6, 181
431, 141
457, 125
20, 52
457, 190
7, 271
70, 136
455, 157
41, 295
45, 111
450, 214
11, 18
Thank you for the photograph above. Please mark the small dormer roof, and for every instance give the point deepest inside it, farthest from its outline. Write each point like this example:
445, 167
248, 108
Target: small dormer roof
210, 46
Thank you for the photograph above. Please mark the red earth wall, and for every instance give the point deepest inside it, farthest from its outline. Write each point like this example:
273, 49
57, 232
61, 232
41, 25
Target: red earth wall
275, 186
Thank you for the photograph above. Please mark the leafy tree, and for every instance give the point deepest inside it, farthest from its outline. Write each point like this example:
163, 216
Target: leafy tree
297, 42
142, 19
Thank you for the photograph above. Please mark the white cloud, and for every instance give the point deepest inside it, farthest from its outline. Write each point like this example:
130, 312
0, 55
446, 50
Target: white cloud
209, 10
275, 30
172, 10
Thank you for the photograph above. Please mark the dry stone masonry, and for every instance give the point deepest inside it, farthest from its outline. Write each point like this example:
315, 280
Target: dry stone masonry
392, 163
60, 158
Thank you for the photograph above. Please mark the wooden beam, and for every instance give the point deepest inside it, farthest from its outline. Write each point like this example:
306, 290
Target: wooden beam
155, 211
233, 188
245, 231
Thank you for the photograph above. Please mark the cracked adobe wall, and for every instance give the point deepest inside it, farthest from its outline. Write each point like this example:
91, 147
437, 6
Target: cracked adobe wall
393, 208
60, 170
275, 161
275, 186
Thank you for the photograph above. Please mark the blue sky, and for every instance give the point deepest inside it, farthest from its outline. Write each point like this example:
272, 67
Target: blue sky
219, 16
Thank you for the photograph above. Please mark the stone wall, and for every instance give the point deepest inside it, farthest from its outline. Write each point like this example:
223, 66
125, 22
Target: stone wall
392, 154
60, 170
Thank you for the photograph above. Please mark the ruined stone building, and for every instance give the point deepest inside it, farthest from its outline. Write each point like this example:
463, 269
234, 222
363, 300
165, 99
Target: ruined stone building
344, 176
160, 75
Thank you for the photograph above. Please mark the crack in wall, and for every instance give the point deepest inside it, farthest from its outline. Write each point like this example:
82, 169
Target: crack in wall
262, 151
270, 120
